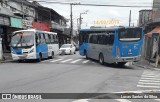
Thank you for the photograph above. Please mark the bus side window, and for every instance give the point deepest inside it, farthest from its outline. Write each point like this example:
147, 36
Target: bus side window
91, 39
49, 38
37, 39
99, 39
42, 38
46, 38
94, 39
111, 39
105, 39
102, 39
85, 38
55, 39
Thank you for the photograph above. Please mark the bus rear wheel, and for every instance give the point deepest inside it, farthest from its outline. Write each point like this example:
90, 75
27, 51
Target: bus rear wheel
121, 64
101, 59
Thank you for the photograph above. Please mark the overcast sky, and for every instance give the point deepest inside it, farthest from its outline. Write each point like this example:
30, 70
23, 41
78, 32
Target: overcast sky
100, 13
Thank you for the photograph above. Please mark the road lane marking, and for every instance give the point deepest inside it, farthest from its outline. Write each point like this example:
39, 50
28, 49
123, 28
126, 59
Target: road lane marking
81, 100
149, 79
66, 60
76, 61
85, 61
56, 60
156, 81
147, 83
157, 99
47, 60
148, 73
149, 76
148, 86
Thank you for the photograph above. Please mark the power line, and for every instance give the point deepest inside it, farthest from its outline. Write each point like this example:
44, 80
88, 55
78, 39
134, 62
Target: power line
82, 4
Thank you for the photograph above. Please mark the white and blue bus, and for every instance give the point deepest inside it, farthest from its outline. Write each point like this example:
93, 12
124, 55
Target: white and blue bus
111, 45
33, 44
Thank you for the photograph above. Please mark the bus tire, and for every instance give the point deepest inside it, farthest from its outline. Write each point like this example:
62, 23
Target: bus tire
85, 54
70, 52
40, 57
19, 61
101, 59
52, 56
121, 64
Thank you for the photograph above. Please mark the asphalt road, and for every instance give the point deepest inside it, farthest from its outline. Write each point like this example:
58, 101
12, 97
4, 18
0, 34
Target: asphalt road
75, 74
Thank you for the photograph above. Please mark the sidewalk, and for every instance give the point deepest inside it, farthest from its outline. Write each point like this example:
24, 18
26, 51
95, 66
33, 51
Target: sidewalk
145, 64
6, 58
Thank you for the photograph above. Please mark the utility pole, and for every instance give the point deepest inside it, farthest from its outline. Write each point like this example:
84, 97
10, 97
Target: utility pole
130, 18
80, 18
71, 30
23, 9
78, 24
80, 21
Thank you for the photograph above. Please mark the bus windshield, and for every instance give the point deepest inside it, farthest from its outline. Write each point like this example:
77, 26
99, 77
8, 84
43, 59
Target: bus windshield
66, 46
130, 34
23, 39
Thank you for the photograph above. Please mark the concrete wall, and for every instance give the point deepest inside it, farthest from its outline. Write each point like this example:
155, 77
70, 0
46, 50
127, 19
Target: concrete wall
144, 16
30, 11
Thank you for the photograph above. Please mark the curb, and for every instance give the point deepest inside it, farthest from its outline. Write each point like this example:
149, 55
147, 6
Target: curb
149, 67
5, 61
139, 65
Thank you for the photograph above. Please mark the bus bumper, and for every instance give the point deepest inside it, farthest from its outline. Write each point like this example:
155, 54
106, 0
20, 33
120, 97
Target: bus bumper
128, 59
23, 56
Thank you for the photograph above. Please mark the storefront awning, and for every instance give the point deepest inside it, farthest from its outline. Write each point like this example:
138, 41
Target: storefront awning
155, 30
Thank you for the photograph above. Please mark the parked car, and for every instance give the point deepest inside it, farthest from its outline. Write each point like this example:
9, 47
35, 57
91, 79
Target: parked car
67, 49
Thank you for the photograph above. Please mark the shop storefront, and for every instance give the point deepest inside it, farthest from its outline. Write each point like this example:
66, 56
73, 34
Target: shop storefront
15, 24
4, 24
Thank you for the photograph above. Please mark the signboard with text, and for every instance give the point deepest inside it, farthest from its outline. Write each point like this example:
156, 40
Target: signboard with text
40, 26
27, 24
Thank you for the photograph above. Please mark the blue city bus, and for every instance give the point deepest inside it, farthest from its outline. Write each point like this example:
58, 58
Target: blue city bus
111, 45
33, 44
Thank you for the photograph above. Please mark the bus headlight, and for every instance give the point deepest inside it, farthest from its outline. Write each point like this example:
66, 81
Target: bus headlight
32, 50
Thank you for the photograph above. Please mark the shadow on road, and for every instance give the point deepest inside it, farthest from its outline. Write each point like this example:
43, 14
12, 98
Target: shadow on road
114, 65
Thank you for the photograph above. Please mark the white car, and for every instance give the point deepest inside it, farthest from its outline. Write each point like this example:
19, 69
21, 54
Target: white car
67, 49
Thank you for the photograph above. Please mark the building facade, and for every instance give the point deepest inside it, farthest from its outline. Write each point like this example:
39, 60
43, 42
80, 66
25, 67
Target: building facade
151, 24
144, 17
22, 14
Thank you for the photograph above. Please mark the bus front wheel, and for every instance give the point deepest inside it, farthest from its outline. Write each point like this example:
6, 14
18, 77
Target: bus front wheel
40, 57
52, 56
101, 59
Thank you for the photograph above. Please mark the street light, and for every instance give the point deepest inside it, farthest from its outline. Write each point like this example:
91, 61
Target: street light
80, 18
